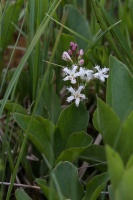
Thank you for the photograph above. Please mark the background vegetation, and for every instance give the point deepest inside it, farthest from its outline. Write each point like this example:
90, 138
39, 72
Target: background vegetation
49, 149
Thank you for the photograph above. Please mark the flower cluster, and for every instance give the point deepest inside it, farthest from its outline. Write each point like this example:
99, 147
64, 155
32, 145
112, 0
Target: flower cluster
78, 75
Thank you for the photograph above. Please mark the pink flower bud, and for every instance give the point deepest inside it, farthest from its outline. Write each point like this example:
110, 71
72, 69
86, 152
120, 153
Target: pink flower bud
76, 46
66, 57
81, 62
69, 52
73, 48
81, 52
71, 44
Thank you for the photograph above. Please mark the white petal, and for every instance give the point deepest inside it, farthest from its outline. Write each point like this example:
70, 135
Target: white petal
73, 81
105, 70
68, 71
82, 96
106, 76
97, 67
90, 77
66, 78
77, 101
81, 87
74, 68
96, 75
89, 72
79, 74
71, 90
82, 72
102, 78
70, 98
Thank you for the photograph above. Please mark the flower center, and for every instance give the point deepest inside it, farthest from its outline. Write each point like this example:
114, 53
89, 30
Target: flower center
77, 95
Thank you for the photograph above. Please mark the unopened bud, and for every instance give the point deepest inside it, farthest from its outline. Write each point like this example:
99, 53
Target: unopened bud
81, 62
69, 52
66, 57
81, 52
71, 44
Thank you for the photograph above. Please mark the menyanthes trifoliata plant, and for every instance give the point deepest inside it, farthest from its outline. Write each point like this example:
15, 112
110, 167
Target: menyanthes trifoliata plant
78, 75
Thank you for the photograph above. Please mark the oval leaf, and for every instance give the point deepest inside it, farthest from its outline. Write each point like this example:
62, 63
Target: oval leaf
40, 132
77, 22
67, 177
77, 143
95, 186
72, 119
106, 122
21, 195
95, 153
120, 88
115, 167
48, 191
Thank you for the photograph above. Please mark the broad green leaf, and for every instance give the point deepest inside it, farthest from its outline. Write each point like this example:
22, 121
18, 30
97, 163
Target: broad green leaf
77, 22
125, 187
119, 88
95, 186
114, 133
106, 122
125, 140
40, 132
47, 126
95, 153
77, 143
21, 195
115, 167
70, 154
67, 177
41, 109
72, 119
79, 139
11, 16
14, 107
58, 145
130, 162
95, 120
49, 100
48, 191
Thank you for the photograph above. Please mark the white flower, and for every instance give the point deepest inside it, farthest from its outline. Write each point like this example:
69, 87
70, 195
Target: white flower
101, 74
82, 73
66, 57
76, 94
89, 75
71, 74
85, 74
